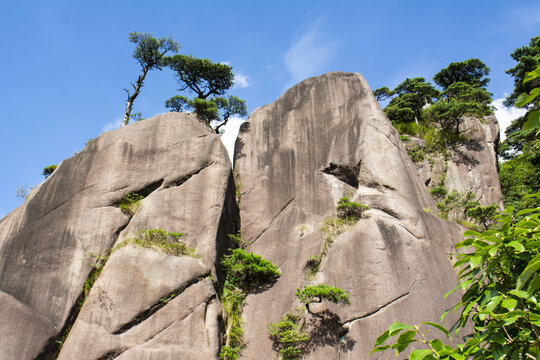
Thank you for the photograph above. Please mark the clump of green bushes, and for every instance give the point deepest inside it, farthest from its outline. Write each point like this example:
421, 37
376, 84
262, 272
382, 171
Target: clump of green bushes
289, 335
159, 240
244, 272
350, 209
130, 204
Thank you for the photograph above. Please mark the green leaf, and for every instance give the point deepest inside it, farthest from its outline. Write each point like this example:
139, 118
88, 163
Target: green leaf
419, 354
396, 327
531, 75
533, 120
516, 245
436, 344
524, 98
531, 268
509, 304
404, 340
382, 338
438, 327
380, 348
471, 233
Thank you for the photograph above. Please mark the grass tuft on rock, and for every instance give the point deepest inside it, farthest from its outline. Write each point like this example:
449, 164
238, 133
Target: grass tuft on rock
159, 240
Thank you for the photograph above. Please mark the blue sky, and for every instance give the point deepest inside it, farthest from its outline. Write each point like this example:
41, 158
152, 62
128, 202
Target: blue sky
64, 63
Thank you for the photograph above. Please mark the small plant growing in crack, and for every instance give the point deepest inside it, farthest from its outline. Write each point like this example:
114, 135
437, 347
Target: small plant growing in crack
131, 204
350, 209
159, 240
237, 239
244, 272
289, 335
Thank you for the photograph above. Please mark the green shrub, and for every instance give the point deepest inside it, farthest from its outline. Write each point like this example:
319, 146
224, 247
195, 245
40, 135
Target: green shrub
455, 205
409, 128
439, 192
416, 154
47, 171
288, 336
404, 138
159, 240
246, 270
350, 209
484, 215
321, 292
130, 204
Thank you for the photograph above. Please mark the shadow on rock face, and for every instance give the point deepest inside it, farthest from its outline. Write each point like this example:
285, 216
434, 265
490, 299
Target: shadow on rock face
327, 330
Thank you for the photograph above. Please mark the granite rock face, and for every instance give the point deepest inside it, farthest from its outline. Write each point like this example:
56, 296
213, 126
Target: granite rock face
471, 165
50, 245
326, 138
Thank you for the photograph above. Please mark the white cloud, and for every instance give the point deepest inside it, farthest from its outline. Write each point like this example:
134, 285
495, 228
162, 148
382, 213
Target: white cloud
506, 115
230, 134
241, 80
310, 54
113, 125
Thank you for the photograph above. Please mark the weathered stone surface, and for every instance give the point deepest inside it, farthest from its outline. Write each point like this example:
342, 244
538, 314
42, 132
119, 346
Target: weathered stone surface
294, 160
48, 245
473, 164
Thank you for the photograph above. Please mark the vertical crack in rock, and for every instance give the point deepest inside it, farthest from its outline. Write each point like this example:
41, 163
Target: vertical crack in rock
183, 179
347, 173
161, 303
274, 218
54, 344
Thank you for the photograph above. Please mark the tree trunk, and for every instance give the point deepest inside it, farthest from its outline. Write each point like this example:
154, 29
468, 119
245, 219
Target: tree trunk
136, 90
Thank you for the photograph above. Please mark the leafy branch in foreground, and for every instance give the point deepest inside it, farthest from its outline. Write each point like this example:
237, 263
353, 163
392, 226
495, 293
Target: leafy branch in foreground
499, 274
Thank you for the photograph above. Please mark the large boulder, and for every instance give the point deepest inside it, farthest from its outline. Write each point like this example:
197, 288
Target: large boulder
324, 139
52, 246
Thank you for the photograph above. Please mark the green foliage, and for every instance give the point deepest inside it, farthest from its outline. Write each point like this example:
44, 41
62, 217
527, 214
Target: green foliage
472, 72
484, 215
457, 100
47, 171
416, 154
243, 272
130, 204
201, 76
246, 270
177, 103
149, 50
413, 95
206, 110
350, 209
383, 93
334, 226
520, 176
318, 293
288, 336
533, 116
404, 138
149, 53
528, 59
159, 240
499, 274
238, 240
24, 191
439, 192
455, 205
409, 128
205, 78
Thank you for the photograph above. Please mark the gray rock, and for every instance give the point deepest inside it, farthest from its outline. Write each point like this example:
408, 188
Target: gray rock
295, 158
473, 165
49, 245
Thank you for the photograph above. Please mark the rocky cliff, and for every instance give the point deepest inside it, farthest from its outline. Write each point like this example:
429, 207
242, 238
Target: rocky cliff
78, 280
52, 246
